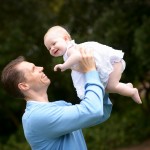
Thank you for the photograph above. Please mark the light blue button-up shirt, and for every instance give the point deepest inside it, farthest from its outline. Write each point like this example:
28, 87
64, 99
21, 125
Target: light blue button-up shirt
58, 125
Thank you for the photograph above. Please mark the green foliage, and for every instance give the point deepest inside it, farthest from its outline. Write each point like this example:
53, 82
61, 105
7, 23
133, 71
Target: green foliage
142, 45
120, 24
122, 129
16, 142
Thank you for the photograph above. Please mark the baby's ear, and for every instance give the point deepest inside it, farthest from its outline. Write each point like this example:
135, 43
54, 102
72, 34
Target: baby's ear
66, 38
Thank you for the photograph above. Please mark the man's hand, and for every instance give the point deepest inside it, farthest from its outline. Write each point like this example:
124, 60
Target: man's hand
87, 62
59, 67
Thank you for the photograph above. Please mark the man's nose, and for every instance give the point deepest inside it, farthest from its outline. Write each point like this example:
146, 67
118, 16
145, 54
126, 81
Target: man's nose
40, 68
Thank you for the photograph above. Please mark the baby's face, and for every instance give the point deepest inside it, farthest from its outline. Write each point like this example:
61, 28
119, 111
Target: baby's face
56, 45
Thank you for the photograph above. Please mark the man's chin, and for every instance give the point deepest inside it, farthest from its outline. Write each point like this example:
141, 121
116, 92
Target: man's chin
46, 82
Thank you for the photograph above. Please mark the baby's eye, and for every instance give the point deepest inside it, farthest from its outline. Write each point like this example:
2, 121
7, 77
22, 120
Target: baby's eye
54, 43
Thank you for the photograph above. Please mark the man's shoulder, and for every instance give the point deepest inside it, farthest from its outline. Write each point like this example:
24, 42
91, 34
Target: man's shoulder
61, 103
43, 109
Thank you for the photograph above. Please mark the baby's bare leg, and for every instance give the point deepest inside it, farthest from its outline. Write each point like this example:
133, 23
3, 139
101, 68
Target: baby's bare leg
114, 86
129, 84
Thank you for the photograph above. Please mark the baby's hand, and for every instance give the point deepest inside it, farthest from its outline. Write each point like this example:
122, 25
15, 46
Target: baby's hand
59, 67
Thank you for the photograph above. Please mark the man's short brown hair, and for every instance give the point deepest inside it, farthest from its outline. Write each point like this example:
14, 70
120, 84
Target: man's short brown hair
11, 77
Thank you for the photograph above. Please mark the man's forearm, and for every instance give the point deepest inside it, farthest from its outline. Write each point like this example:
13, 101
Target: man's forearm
98, 98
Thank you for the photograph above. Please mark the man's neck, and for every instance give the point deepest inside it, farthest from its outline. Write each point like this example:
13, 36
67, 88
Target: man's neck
39, 97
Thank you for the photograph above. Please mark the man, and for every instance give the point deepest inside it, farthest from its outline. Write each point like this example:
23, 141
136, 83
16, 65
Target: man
56, 125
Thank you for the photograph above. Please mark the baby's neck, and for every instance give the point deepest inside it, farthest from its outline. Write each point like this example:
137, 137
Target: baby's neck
70, 44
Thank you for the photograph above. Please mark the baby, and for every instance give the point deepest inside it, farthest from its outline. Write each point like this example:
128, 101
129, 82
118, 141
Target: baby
109, 62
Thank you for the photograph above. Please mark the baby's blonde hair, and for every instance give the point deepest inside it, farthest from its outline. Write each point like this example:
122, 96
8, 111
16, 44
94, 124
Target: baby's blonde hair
58, 30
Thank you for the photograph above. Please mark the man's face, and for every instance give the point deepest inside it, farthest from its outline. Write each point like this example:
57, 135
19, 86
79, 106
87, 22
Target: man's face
34, 75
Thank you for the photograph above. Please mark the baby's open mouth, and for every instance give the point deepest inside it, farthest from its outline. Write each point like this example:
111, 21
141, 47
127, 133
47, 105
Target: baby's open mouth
55, 51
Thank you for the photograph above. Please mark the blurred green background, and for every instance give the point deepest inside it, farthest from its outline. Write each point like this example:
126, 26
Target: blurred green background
121, 24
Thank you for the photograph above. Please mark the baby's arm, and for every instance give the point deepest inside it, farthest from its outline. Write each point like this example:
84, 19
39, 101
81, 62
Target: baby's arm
74, 57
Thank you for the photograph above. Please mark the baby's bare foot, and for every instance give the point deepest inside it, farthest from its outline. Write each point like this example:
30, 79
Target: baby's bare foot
136, 97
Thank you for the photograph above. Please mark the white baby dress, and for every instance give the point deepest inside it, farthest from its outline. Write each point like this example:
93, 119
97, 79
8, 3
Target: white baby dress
105, 57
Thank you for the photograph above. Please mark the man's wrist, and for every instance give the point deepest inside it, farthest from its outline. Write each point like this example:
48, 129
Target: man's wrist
91, 76
91, 69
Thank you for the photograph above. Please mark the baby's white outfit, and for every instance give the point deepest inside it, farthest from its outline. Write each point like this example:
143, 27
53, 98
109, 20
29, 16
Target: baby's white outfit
105, 57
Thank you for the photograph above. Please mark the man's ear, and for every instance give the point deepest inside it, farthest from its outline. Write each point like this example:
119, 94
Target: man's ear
23, 86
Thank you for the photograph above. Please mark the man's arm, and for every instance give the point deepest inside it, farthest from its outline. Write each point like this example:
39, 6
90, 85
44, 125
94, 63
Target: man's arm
60, 120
